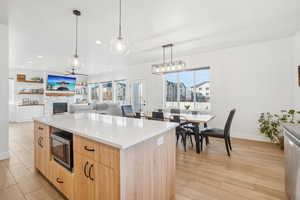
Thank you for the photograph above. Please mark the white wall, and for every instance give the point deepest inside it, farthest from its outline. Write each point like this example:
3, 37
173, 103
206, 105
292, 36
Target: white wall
254, 78
296, 63
3, 92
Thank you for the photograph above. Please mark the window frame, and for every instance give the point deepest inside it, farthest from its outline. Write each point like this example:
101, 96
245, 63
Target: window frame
178, 88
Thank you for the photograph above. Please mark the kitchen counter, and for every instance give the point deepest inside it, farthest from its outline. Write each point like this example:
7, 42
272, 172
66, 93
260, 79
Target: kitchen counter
107, 157
292, 128
119, 132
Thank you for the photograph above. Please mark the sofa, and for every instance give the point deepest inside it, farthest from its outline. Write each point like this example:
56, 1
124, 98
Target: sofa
101, 108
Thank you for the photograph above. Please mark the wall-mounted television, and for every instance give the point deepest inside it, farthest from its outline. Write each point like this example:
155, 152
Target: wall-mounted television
61, 83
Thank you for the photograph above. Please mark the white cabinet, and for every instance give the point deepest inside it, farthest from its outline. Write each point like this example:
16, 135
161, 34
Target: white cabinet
26, 113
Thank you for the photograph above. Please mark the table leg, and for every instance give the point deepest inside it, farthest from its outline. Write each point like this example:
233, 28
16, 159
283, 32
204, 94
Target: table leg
197, 138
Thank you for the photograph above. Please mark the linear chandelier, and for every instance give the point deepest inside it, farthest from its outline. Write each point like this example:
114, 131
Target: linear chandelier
171, 66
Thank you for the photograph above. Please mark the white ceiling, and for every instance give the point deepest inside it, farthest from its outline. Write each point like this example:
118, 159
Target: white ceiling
40, 27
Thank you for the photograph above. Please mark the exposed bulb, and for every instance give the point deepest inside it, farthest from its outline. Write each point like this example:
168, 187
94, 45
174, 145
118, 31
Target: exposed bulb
119, 46
75, 61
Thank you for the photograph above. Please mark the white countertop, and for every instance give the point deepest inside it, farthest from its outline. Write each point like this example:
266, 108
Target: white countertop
119, 132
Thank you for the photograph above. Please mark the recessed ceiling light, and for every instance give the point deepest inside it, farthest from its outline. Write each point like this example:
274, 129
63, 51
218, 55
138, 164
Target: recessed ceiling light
98, 42
40, 57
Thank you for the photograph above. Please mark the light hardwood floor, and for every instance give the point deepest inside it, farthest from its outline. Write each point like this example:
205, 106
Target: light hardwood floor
255, 171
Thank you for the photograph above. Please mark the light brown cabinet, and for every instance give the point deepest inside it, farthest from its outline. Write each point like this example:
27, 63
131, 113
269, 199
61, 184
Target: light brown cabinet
62, 179
145, 171
96, 178
41, 143
84, 184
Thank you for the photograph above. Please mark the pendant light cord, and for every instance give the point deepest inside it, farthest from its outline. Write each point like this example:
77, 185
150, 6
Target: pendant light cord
76, 39
164, 56
171, 54
120, 19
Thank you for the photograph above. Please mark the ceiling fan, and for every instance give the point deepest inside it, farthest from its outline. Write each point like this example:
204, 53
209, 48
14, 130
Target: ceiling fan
73, 73
75, 59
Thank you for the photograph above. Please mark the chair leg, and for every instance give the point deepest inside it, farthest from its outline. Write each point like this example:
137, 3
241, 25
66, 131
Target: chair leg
184, 141
202, 143
177, 138
227, 146
191, 139
229, 142
207, 140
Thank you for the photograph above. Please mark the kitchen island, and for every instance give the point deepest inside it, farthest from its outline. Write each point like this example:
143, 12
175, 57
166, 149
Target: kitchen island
113, 158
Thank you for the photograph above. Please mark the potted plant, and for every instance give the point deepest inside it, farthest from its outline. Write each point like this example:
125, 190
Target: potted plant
269, 124
187, 107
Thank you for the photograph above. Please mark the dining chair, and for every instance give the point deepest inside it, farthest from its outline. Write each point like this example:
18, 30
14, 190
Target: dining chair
221, 133
174, 111
127, 111
158, 116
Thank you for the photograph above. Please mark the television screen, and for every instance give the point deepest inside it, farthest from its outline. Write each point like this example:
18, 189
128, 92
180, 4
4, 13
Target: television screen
61, 83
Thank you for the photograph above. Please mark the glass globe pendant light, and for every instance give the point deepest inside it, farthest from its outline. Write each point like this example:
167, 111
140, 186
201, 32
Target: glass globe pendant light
120, 45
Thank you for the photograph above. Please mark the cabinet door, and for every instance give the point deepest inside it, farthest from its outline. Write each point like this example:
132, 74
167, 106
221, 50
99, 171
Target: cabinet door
41, 148
84, 184
106, 184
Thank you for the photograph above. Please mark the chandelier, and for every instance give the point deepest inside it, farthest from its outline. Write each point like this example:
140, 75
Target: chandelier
171, 66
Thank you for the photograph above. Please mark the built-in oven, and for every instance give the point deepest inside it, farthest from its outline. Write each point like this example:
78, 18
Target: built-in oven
62, 148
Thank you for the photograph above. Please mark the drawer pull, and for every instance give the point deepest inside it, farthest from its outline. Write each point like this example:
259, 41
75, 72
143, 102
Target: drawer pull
86, 164
40, 128
59, 181
87, 149
90, 170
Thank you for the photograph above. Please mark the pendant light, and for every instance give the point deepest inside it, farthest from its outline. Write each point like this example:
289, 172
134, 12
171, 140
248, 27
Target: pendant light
119, 45
171, 66
75, 63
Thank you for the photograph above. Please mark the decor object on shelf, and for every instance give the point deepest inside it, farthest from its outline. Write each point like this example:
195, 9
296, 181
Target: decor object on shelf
120, 44
75, 63
172, 66
21, 77
269, 124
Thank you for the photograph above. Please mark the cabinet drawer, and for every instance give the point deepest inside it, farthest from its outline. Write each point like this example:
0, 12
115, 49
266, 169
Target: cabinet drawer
41, 128
104, 154
86, 147
62, 179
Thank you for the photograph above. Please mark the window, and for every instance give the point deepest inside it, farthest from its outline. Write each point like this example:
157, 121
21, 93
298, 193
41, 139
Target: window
107, 91
120, 91
183, 90
94, 91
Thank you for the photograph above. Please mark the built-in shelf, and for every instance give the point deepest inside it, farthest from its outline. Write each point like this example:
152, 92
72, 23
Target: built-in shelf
32, 105
36, 93
59, 94
29, 81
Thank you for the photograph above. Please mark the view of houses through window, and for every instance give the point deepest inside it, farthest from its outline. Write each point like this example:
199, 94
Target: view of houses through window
189, 90
108, 91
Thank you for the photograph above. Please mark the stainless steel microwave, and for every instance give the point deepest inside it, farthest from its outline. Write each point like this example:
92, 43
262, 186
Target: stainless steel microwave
62, 148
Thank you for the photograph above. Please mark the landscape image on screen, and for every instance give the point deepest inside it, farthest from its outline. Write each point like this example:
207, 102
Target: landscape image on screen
61, 83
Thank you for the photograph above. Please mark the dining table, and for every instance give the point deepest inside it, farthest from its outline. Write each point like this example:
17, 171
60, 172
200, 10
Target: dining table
195, 118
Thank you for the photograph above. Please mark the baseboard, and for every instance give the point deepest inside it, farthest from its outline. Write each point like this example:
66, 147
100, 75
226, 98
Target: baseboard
4, 155
255, 137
